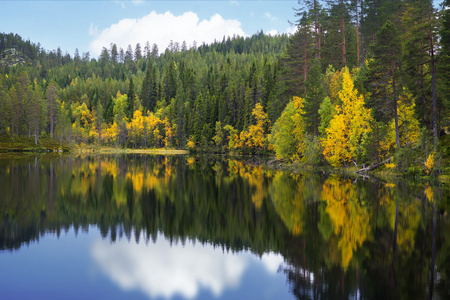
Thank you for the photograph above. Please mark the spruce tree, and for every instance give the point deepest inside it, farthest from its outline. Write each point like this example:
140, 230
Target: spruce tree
131, 96
314, 96
383, 76
444, 66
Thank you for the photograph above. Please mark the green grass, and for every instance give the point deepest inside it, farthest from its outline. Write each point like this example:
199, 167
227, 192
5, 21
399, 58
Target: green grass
24, 144
111, 150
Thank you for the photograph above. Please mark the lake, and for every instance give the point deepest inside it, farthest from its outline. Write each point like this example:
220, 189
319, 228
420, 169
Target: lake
181, 227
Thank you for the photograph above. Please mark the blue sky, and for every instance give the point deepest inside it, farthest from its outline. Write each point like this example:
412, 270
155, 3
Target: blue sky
90, 25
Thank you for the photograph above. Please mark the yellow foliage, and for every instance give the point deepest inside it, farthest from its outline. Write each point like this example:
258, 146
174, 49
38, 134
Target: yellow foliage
254, 137
429, 193
348, 126
349, 219
429, 163
169, 133
390, 165
408, 125
191, 144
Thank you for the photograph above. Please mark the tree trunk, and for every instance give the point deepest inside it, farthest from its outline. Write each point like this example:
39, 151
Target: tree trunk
320, 56
344, 60
51, 116
373, 167
433, 251
397, 135
305, 68
433, 84
357, 34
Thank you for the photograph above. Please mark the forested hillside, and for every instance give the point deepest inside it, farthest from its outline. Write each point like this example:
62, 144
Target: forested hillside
358, 82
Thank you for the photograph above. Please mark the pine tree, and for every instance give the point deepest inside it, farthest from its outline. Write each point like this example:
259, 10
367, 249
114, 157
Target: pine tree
137, 52
52, 98
443, 67
384, 76
313, 98
419, 60
313, 9
108, 113
296, 60
36, 108
131, 96
99, 120
4, 103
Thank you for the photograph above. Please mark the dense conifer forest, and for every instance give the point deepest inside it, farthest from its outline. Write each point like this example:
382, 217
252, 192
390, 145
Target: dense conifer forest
359, 82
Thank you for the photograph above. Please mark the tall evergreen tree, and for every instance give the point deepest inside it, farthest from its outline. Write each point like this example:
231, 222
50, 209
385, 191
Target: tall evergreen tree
383, 76
444, 67
419, 60
314, 96
296, 60
52, 98
99, 120
131, 97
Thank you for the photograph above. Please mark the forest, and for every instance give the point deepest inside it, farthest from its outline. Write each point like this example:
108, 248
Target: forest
360, 82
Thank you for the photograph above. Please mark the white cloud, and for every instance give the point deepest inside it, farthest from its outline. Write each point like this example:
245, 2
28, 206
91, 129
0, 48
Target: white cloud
234, 3
272, 261
272, 32
164, 270
270, 17
162, 28
291, 30
93, 30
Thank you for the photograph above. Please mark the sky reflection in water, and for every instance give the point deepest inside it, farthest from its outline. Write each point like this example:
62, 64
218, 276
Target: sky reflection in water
165, 270
89, 267
335, 237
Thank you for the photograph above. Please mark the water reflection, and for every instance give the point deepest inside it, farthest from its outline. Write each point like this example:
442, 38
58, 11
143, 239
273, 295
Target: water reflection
338, 237
163, 269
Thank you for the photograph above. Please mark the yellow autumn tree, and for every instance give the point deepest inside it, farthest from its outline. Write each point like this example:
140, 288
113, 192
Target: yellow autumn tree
348, 127
110, 134
255, 137
233, 136
136, 127
170, 133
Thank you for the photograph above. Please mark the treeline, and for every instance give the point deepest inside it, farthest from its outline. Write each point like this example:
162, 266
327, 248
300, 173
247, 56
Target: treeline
357, 82
180, 94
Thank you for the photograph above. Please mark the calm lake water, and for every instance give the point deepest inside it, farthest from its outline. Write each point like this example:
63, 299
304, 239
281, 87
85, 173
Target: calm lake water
178, 227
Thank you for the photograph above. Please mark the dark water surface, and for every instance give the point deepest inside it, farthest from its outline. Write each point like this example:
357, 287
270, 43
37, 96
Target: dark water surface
177, 227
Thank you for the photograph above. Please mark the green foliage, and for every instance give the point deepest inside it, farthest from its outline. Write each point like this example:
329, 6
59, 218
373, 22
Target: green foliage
288, 132
312, 151
383, 73
184, 93
131, 96
313, 98
326, 112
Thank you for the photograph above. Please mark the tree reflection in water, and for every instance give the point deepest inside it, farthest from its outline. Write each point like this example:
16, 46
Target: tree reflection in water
340, 237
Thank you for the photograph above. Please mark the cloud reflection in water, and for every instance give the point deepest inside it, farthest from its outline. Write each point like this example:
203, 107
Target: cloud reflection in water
161, 270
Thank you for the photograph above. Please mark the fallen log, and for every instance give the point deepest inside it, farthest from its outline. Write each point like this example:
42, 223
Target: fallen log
373, 167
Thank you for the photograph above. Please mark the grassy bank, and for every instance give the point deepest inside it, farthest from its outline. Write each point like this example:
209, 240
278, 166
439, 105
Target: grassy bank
111, 150
24, 144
